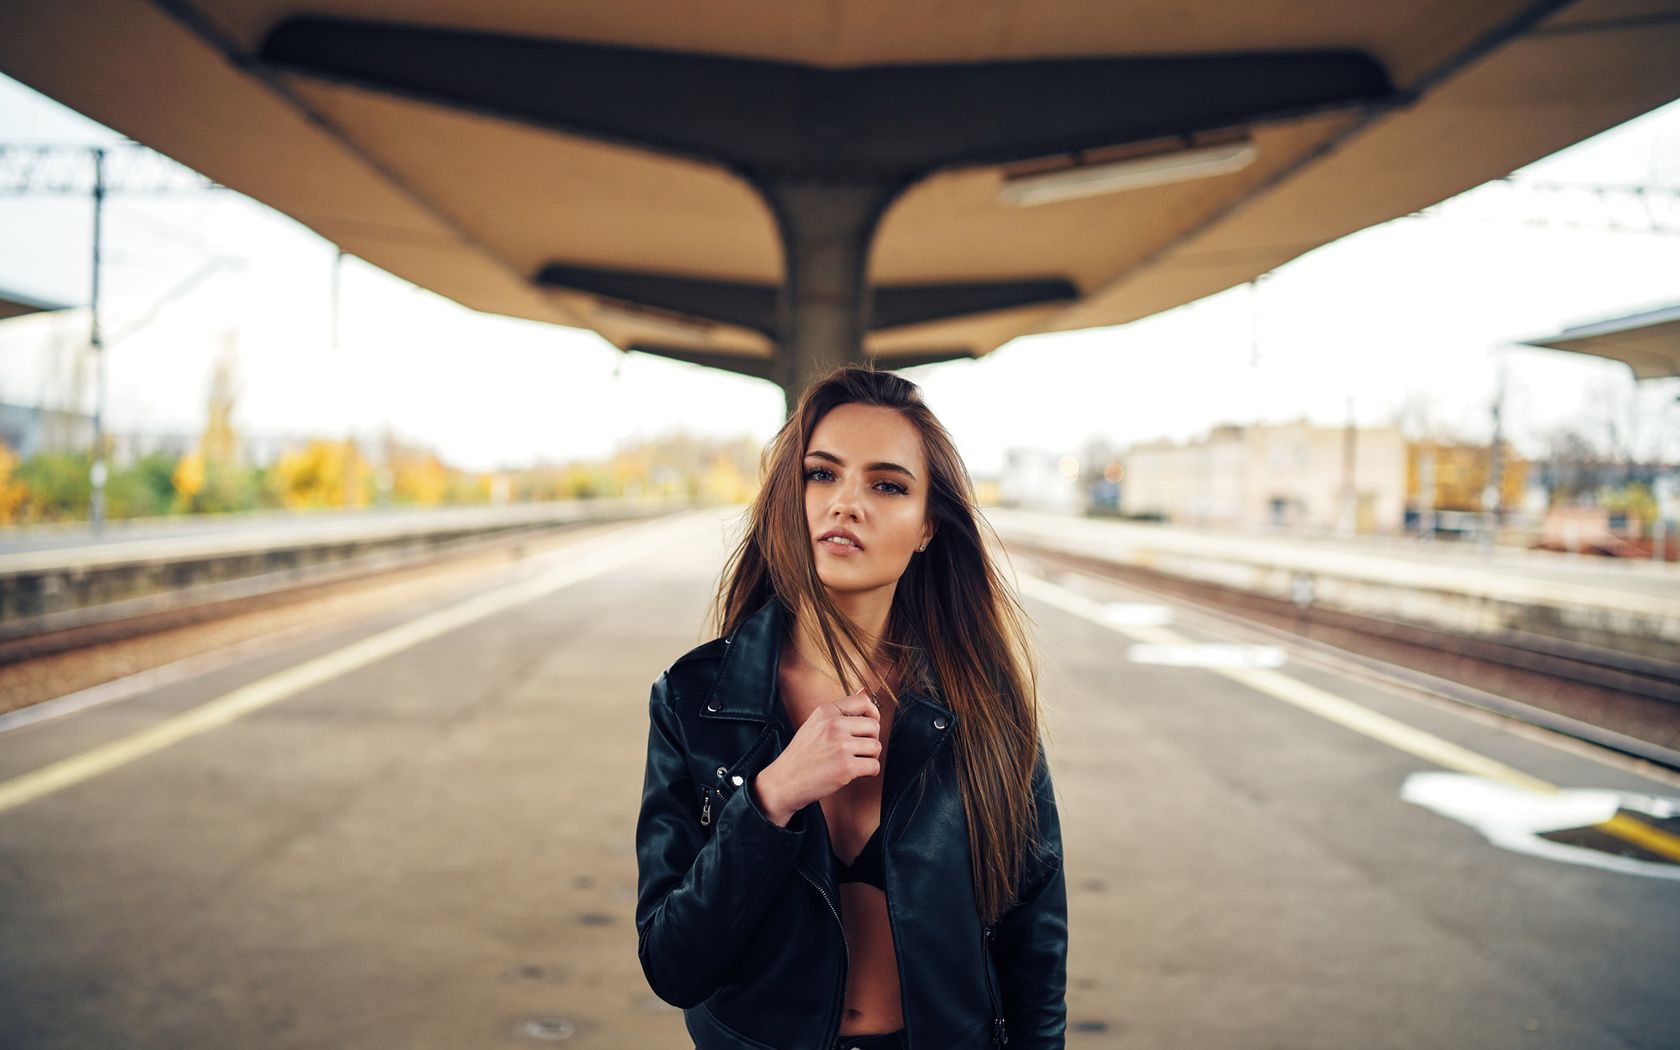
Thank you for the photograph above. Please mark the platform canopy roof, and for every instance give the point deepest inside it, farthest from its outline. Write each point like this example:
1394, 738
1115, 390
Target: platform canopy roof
646, 168
13, 304
1648, 342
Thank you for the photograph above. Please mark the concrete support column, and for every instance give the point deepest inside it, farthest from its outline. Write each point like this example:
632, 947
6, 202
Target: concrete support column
824, 305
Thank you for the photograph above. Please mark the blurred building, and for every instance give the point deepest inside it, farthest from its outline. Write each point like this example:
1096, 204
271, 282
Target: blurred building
28, 430
1294, 476
1451, 486
1035, 479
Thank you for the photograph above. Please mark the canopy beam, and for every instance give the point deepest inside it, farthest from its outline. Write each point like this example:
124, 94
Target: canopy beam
827, 149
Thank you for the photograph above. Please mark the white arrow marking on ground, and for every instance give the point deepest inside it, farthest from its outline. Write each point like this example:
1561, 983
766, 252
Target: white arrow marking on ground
1514, 818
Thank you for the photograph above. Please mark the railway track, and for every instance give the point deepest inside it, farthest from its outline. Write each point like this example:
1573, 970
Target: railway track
1622, 701
177, 634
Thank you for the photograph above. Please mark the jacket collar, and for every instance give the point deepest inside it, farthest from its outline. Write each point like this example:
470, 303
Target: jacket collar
745, 688
746, 685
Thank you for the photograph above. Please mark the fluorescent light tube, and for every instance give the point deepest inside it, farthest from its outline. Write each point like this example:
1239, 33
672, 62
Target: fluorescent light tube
1130, 173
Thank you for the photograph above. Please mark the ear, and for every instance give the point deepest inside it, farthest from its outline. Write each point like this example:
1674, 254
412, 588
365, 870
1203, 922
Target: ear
929, 527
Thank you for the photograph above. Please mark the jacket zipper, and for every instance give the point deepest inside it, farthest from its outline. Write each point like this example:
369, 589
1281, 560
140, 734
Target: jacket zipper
846, 966
1000, 1036
886, 821
706, 797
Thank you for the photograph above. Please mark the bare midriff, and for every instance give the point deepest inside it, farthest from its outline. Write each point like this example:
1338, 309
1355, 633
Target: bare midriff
872, 1000
872, 1003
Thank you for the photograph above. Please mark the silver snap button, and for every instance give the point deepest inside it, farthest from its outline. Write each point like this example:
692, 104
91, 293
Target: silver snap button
714, 706
721, 772
737, 780
940, 722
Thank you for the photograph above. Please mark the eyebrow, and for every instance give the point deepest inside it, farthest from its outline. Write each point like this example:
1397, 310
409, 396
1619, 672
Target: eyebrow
837, 461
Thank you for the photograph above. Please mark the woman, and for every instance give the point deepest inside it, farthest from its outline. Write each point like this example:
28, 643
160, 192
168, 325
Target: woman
847, 835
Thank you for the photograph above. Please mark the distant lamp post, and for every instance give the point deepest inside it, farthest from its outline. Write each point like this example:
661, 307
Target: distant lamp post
1426, 494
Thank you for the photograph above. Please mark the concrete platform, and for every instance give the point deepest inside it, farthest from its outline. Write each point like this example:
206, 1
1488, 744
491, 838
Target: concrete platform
1633, 605
51, 577
436, 850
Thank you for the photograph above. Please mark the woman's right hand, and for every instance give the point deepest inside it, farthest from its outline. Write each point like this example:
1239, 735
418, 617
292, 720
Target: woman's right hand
838, 743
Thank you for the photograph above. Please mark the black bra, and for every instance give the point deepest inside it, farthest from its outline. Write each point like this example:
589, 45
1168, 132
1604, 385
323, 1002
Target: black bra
866, 868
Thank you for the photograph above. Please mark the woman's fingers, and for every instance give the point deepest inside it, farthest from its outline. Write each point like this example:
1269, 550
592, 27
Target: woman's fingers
859, 705
866, 767
860, 727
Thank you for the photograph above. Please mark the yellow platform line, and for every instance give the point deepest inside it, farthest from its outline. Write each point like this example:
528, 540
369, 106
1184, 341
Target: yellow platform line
1390, 731
1643, 835
588, 559
1349, 715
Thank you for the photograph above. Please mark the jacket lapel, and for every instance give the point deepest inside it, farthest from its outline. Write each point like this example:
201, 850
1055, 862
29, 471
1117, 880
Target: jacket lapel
747, 689
920, 728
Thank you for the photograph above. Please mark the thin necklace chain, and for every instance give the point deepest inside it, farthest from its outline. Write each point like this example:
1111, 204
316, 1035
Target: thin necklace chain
830, 675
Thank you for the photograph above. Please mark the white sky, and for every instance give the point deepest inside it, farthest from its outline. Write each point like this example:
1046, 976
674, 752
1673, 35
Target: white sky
1415, 314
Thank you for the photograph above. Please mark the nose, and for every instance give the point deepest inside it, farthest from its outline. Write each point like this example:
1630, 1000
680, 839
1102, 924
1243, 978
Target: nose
848, 500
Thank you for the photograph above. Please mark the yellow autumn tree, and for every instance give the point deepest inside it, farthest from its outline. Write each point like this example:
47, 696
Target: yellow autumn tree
725, 482
188, 479
420, 478
209, 477
13, 493
321, 474
1462, 472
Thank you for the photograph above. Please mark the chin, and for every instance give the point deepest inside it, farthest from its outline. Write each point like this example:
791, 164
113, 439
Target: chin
848, 579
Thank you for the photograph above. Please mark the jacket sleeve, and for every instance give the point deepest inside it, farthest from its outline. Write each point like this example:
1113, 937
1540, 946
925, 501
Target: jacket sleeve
701, 890
1032, 937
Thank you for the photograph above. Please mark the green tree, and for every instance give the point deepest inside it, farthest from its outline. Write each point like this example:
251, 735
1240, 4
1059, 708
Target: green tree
144, 489
59, 485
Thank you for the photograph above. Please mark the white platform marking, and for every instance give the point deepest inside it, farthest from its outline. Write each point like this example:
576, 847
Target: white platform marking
1514, 818
575, 564
1209, 654
1137, 614
1308, 698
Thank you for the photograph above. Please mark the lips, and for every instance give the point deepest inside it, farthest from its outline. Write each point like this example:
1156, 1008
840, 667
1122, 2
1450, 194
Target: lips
839, 541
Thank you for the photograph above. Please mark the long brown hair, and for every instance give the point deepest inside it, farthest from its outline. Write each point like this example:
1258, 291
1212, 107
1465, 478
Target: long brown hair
951, 609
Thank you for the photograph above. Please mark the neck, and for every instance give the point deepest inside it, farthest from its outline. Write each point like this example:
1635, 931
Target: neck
865, 611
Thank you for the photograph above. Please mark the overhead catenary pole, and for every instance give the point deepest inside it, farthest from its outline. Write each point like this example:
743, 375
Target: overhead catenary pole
1492, 496
1254, 319
337, 292
1426, 493
59, 169
99, 470
1347, 520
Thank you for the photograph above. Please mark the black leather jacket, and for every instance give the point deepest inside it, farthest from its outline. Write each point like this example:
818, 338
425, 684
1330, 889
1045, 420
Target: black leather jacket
739, 919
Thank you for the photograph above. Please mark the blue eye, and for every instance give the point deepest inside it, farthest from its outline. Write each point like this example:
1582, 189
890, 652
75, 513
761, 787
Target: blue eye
890, 486
811, 475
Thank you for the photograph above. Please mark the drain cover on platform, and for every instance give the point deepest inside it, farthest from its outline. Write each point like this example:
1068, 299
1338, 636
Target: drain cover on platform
551, 1029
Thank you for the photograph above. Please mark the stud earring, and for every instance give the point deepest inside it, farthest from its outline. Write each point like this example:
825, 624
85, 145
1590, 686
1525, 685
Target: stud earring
923, 547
